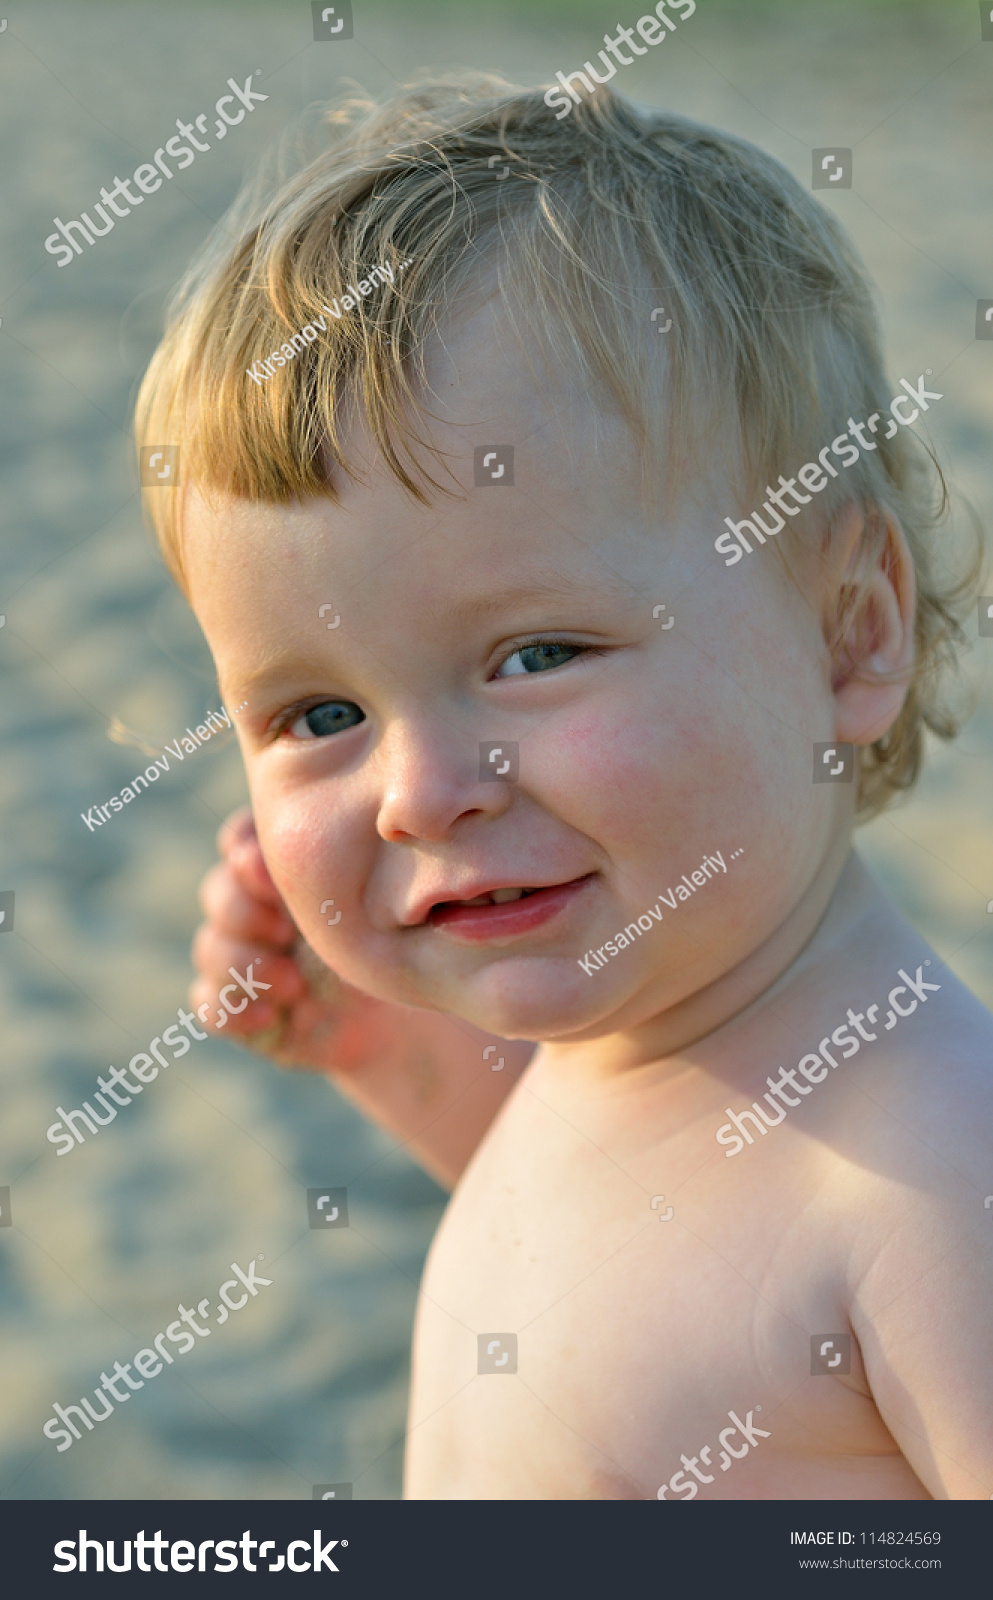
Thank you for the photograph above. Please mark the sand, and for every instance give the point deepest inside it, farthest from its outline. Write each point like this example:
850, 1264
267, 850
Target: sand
307, 1384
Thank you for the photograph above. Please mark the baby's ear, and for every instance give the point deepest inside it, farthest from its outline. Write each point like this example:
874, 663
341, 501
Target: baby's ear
870, 611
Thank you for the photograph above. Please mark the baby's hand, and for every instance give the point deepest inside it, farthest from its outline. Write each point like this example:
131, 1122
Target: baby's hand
307, 1017
433, 1081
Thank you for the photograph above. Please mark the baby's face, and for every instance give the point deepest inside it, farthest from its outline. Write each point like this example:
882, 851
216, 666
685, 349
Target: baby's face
394, 657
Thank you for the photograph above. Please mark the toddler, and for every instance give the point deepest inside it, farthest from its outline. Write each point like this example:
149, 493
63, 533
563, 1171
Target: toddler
555, 749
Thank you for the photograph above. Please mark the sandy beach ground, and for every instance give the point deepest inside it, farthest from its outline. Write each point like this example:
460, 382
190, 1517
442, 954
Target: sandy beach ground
307, 1383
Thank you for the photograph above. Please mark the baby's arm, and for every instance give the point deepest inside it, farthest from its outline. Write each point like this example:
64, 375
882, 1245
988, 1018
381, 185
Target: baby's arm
924, 1319
422, 1076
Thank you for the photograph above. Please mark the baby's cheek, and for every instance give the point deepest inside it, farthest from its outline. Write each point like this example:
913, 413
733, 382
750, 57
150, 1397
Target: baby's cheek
597, 760
304, 850
631, 775
684, 771
319, 856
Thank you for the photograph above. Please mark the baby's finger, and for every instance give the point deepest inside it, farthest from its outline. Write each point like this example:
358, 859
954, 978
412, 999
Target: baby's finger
205, 1002
248, 864
235, 829
238, 844
214, 955
235, 911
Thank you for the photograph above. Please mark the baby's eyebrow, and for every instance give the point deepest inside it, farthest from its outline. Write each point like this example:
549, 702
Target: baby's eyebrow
270, 673
469, 611
465, 613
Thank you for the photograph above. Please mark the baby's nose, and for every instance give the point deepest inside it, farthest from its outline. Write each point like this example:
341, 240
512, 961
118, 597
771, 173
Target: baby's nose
431, 781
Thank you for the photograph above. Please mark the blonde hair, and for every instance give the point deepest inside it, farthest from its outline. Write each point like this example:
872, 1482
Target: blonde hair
773, 324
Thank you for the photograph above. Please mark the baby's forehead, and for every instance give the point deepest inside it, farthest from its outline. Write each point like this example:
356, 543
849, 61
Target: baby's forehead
264, 573
536, 476
492, 367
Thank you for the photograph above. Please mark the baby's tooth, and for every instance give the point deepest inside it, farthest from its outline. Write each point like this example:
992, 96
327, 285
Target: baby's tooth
502, 895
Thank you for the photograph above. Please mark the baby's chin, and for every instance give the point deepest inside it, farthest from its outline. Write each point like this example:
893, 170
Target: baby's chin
512, 997
527, 998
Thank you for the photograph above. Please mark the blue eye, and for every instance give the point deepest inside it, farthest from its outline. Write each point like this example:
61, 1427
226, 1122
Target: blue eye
531, 658
332, 716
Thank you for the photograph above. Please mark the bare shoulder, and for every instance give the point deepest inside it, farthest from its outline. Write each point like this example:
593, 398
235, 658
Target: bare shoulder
920, 1208
935, 1070
915, 1129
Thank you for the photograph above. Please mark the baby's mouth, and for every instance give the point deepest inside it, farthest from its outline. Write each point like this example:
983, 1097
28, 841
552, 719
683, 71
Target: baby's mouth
496, 897
504, 913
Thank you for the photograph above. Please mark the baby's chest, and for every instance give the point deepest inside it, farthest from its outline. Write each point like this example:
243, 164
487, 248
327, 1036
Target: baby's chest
579, 1332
